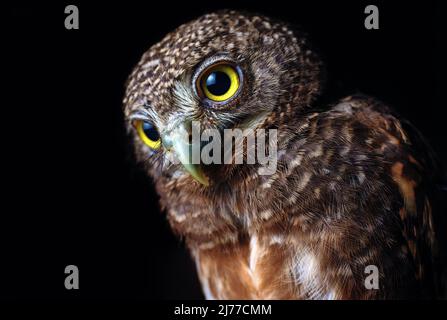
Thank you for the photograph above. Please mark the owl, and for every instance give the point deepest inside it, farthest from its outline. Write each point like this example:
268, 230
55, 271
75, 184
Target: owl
356, 193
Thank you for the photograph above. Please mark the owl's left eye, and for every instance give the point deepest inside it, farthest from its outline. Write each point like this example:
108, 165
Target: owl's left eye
148, 133
219, 82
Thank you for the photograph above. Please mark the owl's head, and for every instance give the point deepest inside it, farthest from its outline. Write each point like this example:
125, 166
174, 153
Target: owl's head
225, 70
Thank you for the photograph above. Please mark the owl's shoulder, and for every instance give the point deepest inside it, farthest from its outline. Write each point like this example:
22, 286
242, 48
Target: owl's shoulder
366, 125
379, 129
366, 110
375, 127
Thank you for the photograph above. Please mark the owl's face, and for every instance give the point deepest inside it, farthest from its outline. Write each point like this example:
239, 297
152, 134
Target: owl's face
222, 71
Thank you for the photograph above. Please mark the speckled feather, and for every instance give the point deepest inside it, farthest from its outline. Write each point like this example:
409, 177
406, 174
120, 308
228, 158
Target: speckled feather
355, 186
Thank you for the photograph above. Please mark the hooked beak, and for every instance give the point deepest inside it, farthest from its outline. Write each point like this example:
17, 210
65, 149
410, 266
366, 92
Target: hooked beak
177, 141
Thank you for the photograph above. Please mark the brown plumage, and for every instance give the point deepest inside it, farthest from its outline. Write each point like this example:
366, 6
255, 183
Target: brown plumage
355, 185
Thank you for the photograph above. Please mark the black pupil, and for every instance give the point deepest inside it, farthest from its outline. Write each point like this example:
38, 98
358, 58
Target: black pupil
218, 83
150, 131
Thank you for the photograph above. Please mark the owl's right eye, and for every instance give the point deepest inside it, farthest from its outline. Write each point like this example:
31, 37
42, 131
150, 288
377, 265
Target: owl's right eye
148, 133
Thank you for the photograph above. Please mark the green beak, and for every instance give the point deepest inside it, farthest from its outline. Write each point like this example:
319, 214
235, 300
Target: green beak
178, 141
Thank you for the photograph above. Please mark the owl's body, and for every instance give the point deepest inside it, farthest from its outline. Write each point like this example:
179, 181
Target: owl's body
355, 185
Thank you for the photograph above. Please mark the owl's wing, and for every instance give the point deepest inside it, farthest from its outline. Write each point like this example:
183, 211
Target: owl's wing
422, 186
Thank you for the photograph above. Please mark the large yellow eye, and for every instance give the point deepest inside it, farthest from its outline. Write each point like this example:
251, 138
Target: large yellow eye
148, 133
220, 82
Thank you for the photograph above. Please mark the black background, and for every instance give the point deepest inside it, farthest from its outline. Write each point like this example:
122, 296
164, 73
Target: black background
71, 193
